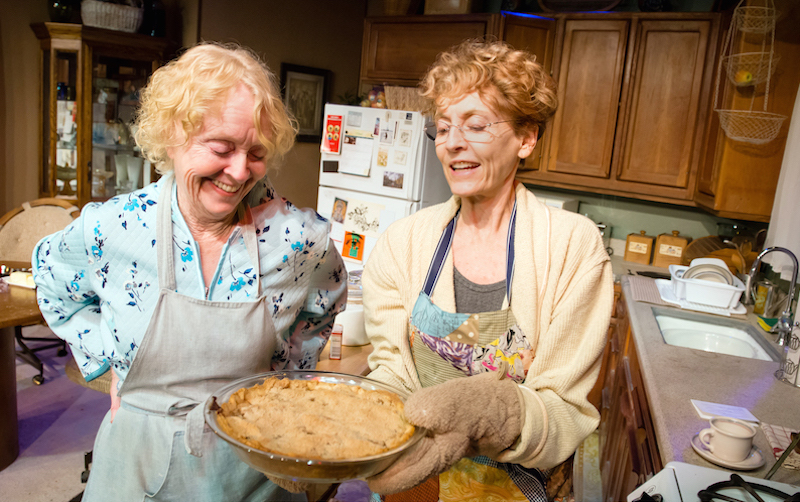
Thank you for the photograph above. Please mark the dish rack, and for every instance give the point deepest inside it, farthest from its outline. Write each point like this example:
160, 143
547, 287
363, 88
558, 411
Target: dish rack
751, 24
111, 16
705, 292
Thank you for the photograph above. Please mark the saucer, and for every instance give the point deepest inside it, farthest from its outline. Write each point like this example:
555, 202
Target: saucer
753, 461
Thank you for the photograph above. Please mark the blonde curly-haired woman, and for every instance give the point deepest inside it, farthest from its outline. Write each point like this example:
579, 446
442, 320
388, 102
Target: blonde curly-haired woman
199, 279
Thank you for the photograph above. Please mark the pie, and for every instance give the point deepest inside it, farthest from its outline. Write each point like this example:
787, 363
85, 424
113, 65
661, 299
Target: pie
315, 420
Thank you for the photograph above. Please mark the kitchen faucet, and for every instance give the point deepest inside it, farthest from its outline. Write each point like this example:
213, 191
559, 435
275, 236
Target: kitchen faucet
786, 320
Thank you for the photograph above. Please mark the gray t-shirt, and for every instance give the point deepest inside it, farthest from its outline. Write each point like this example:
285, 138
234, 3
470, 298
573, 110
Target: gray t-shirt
474, 298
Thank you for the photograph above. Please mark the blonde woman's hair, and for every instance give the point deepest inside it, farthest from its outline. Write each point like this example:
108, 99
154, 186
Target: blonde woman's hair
181, 93
511, 81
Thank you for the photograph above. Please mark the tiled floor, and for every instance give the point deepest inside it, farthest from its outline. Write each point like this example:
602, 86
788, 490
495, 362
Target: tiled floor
57, 424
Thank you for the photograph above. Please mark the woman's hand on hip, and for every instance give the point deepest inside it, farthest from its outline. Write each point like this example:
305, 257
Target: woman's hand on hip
115, 400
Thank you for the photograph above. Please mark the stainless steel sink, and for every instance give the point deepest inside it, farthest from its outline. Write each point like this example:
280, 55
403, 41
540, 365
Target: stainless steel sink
713, 334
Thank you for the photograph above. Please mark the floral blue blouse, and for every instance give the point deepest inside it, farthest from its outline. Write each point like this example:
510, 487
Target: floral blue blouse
97, 280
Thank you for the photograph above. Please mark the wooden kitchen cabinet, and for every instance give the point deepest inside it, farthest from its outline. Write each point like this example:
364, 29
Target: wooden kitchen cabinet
90, 79
536, 35
589, 86
628, 448
633, 98
398, 50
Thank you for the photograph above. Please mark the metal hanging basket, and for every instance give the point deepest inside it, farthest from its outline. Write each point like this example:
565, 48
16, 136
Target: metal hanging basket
752, 127
755, 19
750, 68
743, 69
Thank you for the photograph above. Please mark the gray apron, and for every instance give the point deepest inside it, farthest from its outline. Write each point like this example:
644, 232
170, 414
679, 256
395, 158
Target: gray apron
158, 447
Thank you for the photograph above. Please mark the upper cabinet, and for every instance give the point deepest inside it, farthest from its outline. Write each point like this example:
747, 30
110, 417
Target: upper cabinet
90, 82
536, 35
589, 87
399, 50
633, 97
636, 101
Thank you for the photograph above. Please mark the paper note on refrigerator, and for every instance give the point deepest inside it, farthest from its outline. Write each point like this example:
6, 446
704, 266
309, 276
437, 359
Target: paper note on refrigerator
363, 218
356, 155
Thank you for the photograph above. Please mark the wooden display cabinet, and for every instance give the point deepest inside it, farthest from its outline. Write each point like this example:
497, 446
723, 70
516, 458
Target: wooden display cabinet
90, 78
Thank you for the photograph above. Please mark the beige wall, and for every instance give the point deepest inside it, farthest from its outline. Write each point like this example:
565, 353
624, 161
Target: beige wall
19, 102
318, 33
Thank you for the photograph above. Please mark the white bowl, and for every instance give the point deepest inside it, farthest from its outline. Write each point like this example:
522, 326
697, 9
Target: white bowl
709, 272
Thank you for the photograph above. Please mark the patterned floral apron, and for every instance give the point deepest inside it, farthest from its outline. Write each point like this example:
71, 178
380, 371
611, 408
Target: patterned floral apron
450, 345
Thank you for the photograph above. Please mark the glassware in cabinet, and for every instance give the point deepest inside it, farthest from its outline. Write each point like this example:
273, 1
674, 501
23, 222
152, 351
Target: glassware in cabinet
91, 78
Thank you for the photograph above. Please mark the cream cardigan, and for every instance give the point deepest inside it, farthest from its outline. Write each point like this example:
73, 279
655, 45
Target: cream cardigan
562, 296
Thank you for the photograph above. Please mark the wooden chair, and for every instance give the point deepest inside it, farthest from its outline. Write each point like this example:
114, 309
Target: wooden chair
20, 231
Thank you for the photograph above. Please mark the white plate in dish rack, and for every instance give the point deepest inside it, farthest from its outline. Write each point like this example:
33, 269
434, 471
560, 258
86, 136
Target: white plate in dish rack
668, 295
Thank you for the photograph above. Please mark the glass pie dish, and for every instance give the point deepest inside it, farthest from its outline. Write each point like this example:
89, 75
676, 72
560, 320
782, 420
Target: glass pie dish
305, 469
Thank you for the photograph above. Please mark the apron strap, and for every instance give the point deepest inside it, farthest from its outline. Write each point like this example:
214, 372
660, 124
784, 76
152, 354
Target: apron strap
193, 435
166, 266
439, 256
251, 244
445, 243
510, 259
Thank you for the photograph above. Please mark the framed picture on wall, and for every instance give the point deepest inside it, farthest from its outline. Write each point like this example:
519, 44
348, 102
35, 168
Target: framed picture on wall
305, 91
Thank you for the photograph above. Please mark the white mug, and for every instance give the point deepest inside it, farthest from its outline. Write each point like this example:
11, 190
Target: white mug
728, 438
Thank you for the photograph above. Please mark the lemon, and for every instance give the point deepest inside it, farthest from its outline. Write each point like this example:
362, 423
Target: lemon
743, 77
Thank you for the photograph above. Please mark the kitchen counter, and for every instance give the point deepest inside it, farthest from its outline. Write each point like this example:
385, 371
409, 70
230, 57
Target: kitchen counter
674, 375
620, 267
353, 361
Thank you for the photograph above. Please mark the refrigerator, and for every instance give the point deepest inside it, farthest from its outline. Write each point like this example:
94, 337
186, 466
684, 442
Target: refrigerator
376, 167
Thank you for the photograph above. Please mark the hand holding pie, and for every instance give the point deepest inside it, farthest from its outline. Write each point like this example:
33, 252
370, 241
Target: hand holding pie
478, 414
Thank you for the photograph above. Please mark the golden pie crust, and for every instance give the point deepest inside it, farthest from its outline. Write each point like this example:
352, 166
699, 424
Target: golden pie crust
315, 420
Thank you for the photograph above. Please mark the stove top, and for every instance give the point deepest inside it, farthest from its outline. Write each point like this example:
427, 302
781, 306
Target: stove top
681, 482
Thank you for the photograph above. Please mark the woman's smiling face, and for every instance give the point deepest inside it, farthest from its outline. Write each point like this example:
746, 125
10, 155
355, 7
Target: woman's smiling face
479, 169
219, 164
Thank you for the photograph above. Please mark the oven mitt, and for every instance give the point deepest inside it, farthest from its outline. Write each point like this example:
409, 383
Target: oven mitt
465, 416
289, 486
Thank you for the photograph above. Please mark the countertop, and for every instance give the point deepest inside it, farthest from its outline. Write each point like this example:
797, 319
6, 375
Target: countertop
621, 267
353, 361
674, 375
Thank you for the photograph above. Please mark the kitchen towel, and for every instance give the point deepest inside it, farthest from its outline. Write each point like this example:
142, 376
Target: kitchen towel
643, 289
779, 439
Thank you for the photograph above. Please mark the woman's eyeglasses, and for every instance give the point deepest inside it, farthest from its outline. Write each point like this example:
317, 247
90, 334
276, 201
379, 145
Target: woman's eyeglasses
473, 131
